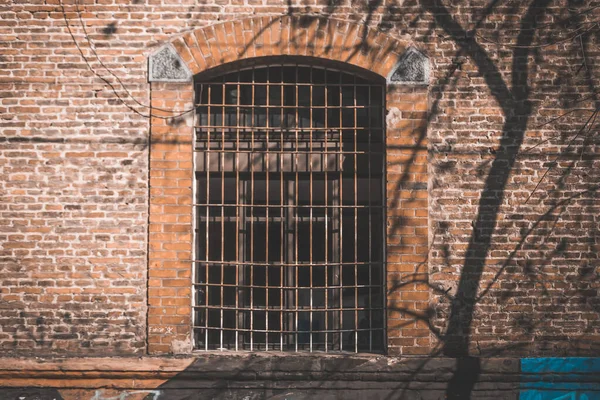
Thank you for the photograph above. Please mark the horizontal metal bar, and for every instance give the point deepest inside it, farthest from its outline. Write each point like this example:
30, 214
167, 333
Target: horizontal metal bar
233, 285
328, 130
286, 310
294, 332
309, 84
282, 107
288, 264
274, 152
271, 206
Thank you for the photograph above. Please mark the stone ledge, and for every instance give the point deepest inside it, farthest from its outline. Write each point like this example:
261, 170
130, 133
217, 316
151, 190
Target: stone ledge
301, 369
278, 366
284, 376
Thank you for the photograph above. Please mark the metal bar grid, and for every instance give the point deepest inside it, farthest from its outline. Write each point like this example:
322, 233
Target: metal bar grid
289, 205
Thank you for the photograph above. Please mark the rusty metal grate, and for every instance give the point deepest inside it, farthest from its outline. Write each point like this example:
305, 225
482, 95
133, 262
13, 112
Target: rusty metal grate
289, 211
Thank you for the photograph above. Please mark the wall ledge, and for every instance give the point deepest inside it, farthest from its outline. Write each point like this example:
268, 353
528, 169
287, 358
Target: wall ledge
146, 371
279, 376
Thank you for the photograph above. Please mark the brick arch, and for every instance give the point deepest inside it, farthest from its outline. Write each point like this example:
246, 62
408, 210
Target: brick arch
210, 46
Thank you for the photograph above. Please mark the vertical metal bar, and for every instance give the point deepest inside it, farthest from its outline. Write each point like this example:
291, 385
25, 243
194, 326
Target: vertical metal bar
310, 194
327, 265
222, 165
355, 221
267, 171
369, 208
252, 212
297, 219
207, 224
284, 218
383, 216
238, 315
341, 202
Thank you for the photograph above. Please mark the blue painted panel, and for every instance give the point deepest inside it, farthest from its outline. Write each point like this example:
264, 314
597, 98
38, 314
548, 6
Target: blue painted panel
571, 386
557, 395
546, 365
568, 378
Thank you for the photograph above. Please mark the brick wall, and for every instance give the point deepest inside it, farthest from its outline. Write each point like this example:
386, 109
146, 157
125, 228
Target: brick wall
82, 186
73, 187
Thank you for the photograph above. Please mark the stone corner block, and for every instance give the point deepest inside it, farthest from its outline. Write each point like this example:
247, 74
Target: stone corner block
165, 65
412, 68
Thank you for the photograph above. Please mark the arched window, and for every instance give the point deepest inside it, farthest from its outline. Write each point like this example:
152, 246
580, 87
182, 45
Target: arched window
289, 210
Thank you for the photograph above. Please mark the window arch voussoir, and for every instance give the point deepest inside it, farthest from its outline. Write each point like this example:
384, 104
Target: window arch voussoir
319, 37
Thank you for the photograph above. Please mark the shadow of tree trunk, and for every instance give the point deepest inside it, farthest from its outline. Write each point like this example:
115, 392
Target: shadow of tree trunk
516, 107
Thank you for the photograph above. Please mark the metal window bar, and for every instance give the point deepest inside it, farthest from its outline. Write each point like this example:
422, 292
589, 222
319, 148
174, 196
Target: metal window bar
289, 205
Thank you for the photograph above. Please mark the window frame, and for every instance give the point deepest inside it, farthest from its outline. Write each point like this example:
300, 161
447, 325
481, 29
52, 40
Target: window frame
169, 305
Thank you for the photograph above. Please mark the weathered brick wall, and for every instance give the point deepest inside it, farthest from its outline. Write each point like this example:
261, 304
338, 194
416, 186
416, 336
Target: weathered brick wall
492, 140
74, 187
75, 173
